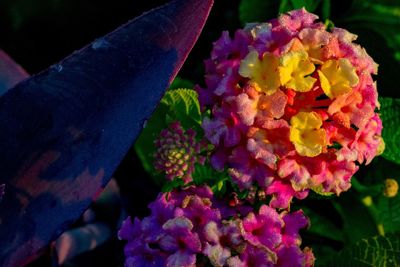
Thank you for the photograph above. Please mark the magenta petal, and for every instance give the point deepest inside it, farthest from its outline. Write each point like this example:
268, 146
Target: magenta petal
294, 221
129, 230
264, 228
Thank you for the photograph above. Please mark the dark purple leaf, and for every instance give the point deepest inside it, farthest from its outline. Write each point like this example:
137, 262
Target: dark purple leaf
65, 130
10, 73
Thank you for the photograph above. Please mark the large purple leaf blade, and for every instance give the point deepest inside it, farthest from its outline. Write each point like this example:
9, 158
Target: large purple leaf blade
10, 73
65, 130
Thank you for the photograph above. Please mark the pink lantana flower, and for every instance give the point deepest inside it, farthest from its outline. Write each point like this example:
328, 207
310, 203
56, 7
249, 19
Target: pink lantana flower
202, 225
293, 107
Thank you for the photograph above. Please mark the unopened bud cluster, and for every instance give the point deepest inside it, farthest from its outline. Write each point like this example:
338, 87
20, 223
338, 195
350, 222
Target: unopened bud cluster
176, 152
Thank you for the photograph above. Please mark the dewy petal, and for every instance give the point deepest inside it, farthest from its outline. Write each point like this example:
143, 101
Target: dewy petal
129, 230
306, 135
181, 258
259, 256
217, 254
337, 77
294, 221
264, 228
247, 108
291, 257
283, 193
249, 64
296, 20
212, 232
272, 105
294, 70
263, 73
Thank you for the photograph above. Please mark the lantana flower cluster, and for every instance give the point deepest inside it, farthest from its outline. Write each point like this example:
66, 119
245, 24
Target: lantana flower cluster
191, 227
293, 107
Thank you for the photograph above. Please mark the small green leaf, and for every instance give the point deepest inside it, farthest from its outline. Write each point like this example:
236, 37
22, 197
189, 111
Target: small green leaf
321, 193
257, 10
373, 251
168, 187
205, 174
390, 115
180, 83
183, 106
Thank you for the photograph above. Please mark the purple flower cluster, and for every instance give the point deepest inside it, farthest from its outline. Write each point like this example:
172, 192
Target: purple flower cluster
176, 152
190, 227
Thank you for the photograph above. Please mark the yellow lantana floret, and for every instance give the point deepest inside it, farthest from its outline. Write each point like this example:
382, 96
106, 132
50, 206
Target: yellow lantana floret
294, 69
306, 134
337, 77
263, 73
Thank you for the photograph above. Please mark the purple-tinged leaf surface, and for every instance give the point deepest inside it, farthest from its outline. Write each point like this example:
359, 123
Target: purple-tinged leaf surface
65, 130
10, 73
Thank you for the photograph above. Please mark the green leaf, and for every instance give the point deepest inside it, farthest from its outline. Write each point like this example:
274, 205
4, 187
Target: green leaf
309, 5
386, 211
383, 17
322, 226
285, 6
181, 83
183, 106
258, 10
390, 115
144, 145
374, 251
205, 174
326, 9
358, 222
168, 187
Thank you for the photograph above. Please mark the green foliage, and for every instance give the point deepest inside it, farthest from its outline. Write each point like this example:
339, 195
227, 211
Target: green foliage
205, 174
385, 210
357, 220
261, 10
258, 10
322, 226
179, 104
181, 83
309, 5
373, 251
390, 115
383, 17
183, 105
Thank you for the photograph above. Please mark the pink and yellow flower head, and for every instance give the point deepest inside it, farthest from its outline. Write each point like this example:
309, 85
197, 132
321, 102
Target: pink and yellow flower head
287, 96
